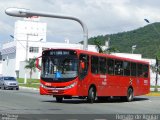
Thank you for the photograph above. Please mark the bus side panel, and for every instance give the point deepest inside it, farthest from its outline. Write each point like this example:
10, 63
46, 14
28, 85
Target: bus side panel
84, 84
144, 86
139, 86
110, 87
82, 89
101, 85
124, 83
118, 86
96, 80
147, 88
99, 81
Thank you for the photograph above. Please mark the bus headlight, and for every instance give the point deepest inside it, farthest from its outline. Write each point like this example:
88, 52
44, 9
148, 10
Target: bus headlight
71, 86
43, 86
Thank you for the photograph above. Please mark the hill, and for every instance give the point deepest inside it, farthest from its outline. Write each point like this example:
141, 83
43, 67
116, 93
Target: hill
147, 40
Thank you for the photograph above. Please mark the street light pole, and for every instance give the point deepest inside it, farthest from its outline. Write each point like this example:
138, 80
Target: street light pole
19, 12
25, 75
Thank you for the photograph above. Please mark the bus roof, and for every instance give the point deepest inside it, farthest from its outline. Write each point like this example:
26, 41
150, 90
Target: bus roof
102, 55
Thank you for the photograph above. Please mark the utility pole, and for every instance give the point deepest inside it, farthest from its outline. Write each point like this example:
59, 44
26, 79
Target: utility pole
27, 47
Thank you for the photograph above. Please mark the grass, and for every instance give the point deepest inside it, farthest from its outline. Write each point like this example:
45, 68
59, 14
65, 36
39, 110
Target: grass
154, 86
21, 80
33, 83
154, 94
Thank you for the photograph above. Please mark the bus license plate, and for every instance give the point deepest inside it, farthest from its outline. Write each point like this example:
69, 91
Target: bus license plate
55, 91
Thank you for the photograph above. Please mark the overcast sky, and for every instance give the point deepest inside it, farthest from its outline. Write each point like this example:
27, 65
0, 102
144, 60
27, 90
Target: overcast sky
101, 16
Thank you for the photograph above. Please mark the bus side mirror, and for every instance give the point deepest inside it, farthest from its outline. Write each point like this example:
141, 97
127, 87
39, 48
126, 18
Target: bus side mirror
82, 64
37, 63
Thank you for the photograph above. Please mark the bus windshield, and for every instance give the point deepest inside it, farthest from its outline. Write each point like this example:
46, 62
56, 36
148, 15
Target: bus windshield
59, 66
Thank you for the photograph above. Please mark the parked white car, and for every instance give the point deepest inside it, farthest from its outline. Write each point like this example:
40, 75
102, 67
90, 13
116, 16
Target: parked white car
7, 82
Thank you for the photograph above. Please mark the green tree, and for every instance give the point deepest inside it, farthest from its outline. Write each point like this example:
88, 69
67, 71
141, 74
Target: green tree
111, 50
31, 66
100, 49
98, 46
147, 40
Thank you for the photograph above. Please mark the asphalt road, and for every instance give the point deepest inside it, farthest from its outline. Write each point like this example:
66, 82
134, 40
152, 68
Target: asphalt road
30, 102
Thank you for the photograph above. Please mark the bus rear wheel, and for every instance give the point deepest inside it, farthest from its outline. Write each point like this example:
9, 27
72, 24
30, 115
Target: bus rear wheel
130, 95
91, 95
59, 99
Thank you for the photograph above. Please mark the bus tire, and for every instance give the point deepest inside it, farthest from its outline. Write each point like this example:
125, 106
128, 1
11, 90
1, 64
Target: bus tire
91, 95
59, 99
130, 95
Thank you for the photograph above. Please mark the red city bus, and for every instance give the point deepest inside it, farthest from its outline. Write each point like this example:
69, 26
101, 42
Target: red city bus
67, 73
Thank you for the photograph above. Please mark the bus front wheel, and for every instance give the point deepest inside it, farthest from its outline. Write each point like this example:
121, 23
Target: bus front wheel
59, 99
91, 95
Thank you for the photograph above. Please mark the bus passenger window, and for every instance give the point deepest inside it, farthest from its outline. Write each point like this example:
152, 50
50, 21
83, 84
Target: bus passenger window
94, 65
139, 69
110, 66
102, 65
126, 67
118, 67
145, 71
133, 69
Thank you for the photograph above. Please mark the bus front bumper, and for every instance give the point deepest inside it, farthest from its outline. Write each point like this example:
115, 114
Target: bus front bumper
70, 90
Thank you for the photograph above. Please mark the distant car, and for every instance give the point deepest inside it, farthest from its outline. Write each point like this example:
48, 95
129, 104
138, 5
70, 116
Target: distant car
7, 82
